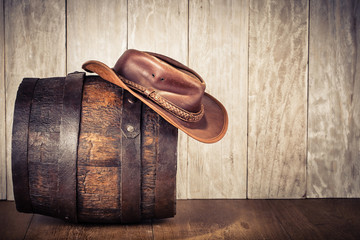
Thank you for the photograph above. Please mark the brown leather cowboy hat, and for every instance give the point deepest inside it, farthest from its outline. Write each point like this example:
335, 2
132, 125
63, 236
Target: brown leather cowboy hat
174, 91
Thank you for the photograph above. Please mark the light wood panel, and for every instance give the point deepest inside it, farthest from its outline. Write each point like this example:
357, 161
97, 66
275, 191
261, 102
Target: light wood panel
218, 52
161, 27
34, 47
277, 99
334, 99
96, 30
2, 109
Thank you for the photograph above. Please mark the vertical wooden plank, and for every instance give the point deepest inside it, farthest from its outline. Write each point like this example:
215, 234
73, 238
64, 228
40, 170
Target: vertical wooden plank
278, 34
2, 109
161, 26
96, 30
43, 145
99, 152
34, 47
19, 144
218, 52
165, 192
334, 99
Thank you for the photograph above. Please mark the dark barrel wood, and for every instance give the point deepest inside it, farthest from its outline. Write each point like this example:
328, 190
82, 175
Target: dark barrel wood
85, 150
20, 144
69, 132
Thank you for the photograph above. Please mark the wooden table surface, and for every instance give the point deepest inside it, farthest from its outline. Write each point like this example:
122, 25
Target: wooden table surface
205, 219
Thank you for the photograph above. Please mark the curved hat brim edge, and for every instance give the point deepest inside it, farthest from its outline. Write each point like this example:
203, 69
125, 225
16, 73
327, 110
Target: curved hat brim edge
108, 74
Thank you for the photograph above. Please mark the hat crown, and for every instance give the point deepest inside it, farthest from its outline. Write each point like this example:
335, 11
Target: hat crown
169, 79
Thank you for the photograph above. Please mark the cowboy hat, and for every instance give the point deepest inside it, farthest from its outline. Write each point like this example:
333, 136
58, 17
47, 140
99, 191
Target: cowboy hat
174, 91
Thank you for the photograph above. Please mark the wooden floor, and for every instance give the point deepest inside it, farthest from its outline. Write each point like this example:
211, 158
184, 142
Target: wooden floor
206, 219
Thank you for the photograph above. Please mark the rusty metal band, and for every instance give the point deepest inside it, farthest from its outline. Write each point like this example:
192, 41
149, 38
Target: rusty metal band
20, 135
69, 133
130, 159
167, 105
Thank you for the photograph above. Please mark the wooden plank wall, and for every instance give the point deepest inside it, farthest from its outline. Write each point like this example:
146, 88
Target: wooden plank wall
89, 34
277, 99
217, 50
34, 47
287, 72
334, 99
2, 109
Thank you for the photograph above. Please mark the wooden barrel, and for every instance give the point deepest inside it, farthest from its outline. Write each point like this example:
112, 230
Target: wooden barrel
85, 150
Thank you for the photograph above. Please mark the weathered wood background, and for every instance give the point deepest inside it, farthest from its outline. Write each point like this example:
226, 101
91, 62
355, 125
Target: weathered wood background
288, 73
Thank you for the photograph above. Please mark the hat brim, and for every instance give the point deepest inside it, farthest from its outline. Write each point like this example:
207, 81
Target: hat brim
212, 126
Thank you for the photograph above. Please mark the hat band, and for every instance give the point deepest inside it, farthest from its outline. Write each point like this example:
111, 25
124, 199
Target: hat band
167, 105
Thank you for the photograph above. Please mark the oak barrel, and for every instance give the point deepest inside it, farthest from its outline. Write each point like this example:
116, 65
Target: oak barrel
85, 150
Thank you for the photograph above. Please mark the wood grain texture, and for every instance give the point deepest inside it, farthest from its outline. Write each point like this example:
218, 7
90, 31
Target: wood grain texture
19, 144
218, 52
277, 99
221, 219
158, 165
206, 219
262, 219
149, 149
334, 99
159, 26
43, 145
34, 47
13, 223
99, 153
43, 227
334, 218
165, 192
162, 26
96, 30
2, 109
